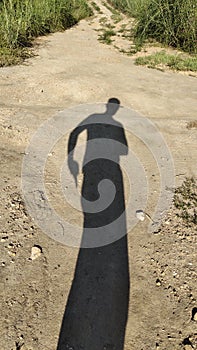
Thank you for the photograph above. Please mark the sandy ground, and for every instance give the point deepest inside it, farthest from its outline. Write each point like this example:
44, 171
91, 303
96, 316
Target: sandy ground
73, 68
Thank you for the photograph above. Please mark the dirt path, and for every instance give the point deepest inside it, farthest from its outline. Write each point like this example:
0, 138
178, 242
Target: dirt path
73, 68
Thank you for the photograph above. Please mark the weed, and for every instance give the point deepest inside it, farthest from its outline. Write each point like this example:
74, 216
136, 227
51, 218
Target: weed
14, 56
105, 37
185, 200
110, 8
103, 20
109, 26
96, 7
192, 124
22, 21
175, 62
172, 22
116, 18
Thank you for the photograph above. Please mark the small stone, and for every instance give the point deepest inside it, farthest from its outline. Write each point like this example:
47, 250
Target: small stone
158, 282
188, 347
11, 253
167, 222
10, 245
4, 238
194, 314
140, 215
36, 251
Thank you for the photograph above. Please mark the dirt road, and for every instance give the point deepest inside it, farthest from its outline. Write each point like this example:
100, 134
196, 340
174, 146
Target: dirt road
73, 68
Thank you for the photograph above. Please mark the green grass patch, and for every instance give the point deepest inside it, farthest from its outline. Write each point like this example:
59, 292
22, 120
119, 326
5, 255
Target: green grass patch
23, 20
131, 7
122, 28
171, 22
9, 57
116, 18
163, 59
96, 7
110, 26
110, 8
106, 36
103, 20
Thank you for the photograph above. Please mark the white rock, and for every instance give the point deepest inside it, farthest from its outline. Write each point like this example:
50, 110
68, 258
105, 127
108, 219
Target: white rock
188, 347
140, 215
36, 251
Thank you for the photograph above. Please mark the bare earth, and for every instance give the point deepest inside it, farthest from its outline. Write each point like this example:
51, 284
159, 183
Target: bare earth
73, 68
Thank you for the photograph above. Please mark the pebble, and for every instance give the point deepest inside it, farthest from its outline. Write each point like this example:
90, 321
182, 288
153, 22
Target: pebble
167, 222
194, 314
158, 282
36, 251
140, 215
11, 253
188, 347
4, 238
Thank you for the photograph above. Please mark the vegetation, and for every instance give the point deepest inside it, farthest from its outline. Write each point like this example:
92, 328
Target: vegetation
131, 7
105, 37
110, 8
23, 20
185, 200
192, 124
161, 59
171, 22
116, 18
96, 7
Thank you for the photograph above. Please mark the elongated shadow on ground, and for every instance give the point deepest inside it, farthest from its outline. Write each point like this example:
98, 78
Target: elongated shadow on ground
96, 312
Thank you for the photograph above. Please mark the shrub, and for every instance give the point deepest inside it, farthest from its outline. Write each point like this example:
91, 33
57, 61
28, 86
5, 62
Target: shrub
22, 20
172, 22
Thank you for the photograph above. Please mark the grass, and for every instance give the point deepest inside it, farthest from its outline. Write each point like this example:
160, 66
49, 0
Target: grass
110, 8
9, 57
23, 20
116, 18
96, 7
171, 22
105, 37
103, 20
192, 125
122, 28
130, 7
174, 62
185, 200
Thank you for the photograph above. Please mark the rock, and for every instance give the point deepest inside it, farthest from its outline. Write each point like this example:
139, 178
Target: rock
4, 238
158, 282
188, 347
167, 222
194, 314
140, 215
11, 253
36, 251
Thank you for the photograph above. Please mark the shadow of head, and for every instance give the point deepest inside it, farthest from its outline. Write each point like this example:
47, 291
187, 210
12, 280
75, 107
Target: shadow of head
113, 104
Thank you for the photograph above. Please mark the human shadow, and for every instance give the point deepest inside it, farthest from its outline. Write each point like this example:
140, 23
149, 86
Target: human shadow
97, 307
